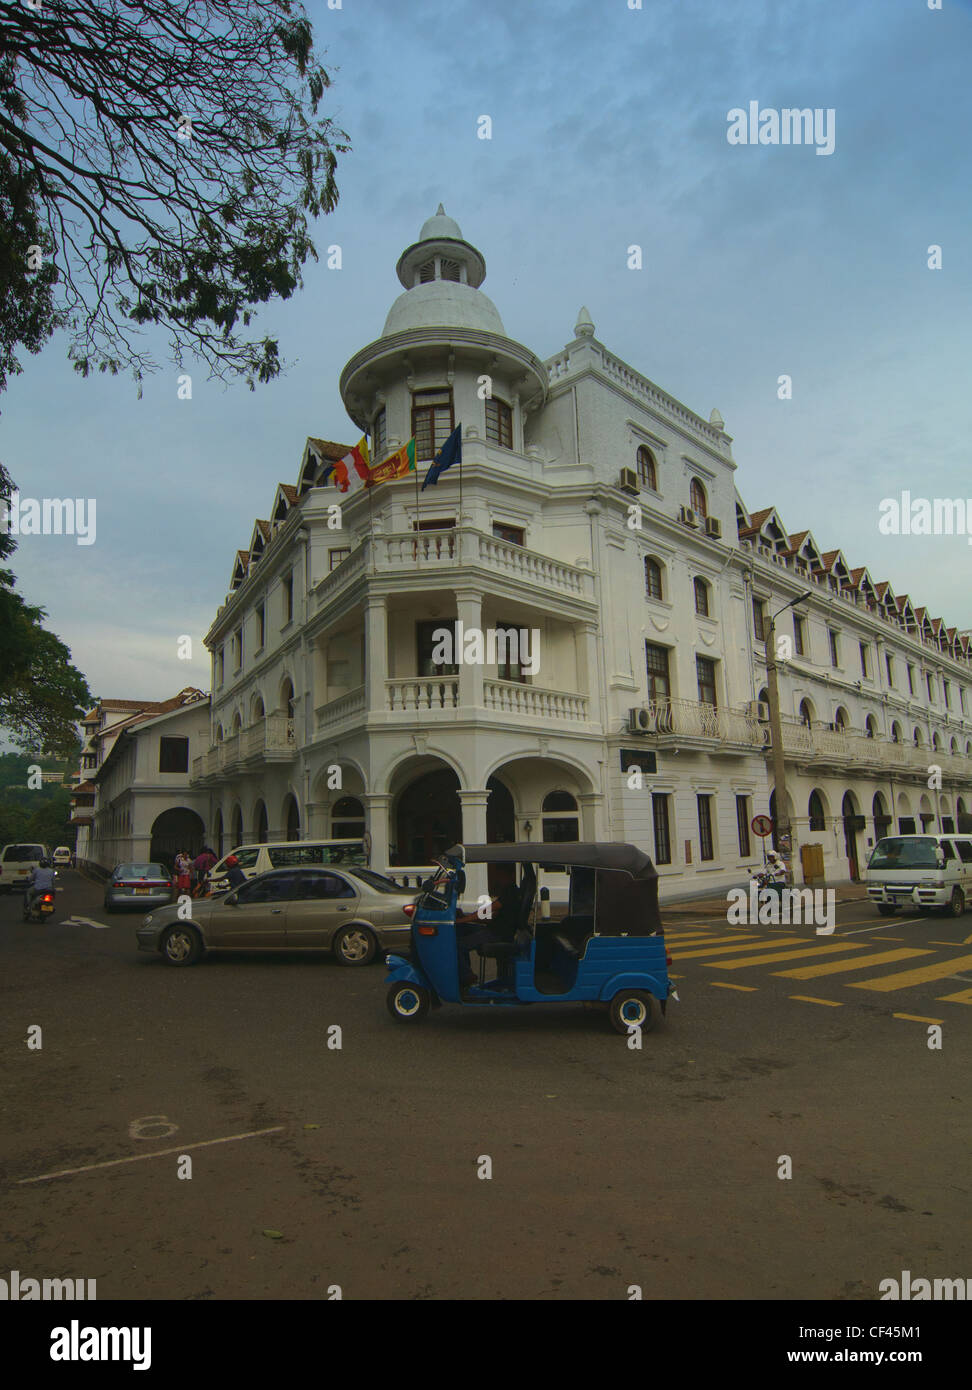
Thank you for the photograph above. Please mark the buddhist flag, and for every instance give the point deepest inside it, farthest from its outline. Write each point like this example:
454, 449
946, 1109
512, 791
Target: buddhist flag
450, 453
353, 471
396, 465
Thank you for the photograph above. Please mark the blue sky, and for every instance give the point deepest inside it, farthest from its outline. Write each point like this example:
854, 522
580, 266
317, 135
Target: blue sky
609, 128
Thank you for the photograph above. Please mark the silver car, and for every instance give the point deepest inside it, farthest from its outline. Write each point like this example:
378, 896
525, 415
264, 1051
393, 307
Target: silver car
353, 913
138, 885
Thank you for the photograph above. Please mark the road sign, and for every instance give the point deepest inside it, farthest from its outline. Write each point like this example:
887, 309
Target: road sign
761, 825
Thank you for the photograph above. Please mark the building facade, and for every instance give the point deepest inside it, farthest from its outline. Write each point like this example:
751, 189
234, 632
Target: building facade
597, 519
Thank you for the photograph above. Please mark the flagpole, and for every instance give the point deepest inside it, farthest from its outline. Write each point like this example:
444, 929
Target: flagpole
459, 555
371, 514
418, 530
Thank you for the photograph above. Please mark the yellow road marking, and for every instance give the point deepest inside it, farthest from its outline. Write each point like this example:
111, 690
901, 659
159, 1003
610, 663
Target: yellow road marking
946, 943
919, 976
721, 984
915, 1018
834, 967
809, 999
788, 955
889, 938
752, 945
967, 941
695, 938
964, 996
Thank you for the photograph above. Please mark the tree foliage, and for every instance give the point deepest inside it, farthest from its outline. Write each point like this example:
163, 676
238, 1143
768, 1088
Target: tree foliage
169, 153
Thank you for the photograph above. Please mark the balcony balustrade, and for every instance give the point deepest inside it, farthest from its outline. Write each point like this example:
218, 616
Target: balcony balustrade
532, 702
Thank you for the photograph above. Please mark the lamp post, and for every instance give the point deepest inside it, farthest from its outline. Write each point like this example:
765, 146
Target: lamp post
783, 832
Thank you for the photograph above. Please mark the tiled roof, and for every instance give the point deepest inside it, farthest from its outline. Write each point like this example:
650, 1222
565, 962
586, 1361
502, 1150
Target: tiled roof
327, 449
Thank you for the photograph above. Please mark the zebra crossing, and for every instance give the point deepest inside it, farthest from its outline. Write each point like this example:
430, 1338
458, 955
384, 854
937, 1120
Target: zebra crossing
890, 970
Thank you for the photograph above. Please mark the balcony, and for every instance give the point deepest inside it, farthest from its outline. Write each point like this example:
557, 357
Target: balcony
513, 698
269, 740
691, 722
824, 746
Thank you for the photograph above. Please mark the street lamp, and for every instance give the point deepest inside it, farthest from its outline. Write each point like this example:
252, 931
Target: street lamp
783, 833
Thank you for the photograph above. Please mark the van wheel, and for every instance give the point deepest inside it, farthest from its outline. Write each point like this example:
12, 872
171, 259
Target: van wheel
354, 946
887, 911
407, 1003
633, 1008
956, 904
181, 945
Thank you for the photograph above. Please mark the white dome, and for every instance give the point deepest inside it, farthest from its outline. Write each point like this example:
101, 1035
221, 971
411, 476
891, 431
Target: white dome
438, 226
443, 304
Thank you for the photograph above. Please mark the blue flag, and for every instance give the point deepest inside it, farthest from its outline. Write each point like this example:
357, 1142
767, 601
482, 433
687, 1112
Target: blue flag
450, 453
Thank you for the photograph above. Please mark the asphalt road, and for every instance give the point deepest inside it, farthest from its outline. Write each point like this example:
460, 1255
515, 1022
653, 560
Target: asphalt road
359, 1167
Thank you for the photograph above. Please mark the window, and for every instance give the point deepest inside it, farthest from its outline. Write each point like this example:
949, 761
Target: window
513, 535
311, 885
742, 825
663, 841
260, 627
798, 630
337, 557
697, 498
705, 827
379, 437
706, 672
220, 666
947, 692
701, 597
288, 598
237, 650
911, 680
508, 644
929, 679
432, 422
647, 471
268, 888
562, 827
962, 698
653, 578
865, 672
347, 819
173, 755
889, 667
816, 812
759, 619
499, 423
964, 848
656, 659
426, 644
834, 649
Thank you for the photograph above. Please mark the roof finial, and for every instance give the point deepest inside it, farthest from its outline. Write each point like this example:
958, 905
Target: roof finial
584, 327
440, 211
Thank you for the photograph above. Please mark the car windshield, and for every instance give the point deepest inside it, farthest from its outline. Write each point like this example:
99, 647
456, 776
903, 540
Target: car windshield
905, 854
22, 852
379, 882
141, 871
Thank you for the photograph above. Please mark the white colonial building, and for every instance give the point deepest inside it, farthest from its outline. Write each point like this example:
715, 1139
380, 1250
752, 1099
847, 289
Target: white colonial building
598, 512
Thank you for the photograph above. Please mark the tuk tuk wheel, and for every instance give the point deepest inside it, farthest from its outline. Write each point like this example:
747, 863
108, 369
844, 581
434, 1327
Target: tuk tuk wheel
407, 1003
633, 1008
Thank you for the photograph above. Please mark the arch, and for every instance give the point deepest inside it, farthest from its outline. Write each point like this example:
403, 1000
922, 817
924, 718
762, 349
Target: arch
881, 816
427, 817
936, 741
218, 833
701, 589
654, 577
853, 824
647, 467
817, 810
698, 498
237, 827
286, 698
807, 713
916, 737
895, 731
500, 812
560, 814
870, 727
513, 764
290, 817
219, 733
237, 722
178, 828
953, 746
841, 718
347, 819
257, 707
261, 823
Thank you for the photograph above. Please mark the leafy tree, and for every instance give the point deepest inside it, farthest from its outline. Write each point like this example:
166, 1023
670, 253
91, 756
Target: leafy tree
170, 154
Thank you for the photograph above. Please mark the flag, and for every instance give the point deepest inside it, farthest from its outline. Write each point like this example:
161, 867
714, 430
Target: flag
396, 465
450, 453
353, 471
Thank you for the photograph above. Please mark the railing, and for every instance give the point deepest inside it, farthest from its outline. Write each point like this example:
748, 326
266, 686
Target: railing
524, 564
421, 692
693, 719
512, 697
821, 743
342, 708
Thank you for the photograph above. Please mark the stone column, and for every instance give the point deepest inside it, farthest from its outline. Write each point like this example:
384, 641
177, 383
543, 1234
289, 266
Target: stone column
377, 809
469, 611
376, 653
473, 805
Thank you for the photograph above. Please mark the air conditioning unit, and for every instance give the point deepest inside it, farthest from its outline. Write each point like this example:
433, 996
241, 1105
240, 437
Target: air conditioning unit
687, 516
759, 709
713, 527
628, 481
641, 720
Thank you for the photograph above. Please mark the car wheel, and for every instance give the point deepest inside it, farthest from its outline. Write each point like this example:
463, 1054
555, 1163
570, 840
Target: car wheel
355, 946
407, 1003
887, 911
633, 1008
181, 945
956, 904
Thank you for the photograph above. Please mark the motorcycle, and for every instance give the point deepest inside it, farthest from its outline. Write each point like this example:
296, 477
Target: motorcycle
41, 907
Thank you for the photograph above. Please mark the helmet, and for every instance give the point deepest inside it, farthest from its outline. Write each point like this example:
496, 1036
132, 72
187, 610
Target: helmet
231, 861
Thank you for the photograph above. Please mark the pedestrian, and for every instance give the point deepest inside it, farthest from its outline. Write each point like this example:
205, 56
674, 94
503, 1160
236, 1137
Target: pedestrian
201, 866
183, 868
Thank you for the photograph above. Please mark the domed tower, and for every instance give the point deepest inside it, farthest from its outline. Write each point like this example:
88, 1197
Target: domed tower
442, 336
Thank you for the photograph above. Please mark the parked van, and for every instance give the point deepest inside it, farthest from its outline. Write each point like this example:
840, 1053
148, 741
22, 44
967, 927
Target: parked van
258, 859
921, 871
16, 862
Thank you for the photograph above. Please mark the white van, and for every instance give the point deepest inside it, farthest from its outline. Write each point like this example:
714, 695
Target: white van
921, 871
258, 859
16, 862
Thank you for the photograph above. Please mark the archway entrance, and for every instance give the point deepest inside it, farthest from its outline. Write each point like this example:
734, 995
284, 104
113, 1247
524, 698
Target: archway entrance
500, 813
853, 824
175, 830
428, 818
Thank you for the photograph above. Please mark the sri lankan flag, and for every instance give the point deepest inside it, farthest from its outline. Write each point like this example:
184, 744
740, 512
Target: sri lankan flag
396, 465
352, 472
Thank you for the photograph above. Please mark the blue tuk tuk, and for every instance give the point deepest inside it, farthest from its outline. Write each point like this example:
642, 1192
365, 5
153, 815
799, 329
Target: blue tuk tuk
608, 951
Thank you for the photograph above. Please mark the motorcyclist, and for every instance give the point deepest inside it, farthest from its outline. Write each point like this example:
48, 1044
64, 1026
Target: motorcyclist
41, 881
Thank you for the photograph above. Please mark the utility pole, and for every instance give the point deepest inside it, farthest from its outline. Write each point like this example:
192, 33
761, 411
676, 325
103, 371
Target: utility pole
784, 838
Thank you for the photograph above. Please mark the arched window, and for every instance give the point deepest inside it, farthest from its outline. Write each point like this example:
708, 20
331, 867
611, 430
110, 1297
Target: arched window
647, 469
219, 733
840, 718
348, 819
499, 423
561, 819
895, 732
936, 741
806, 713
701, 597
261, 826
815, 809
237, 827
256, 711
870, 726
653, 578
916, 736
293, 818
697, 498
